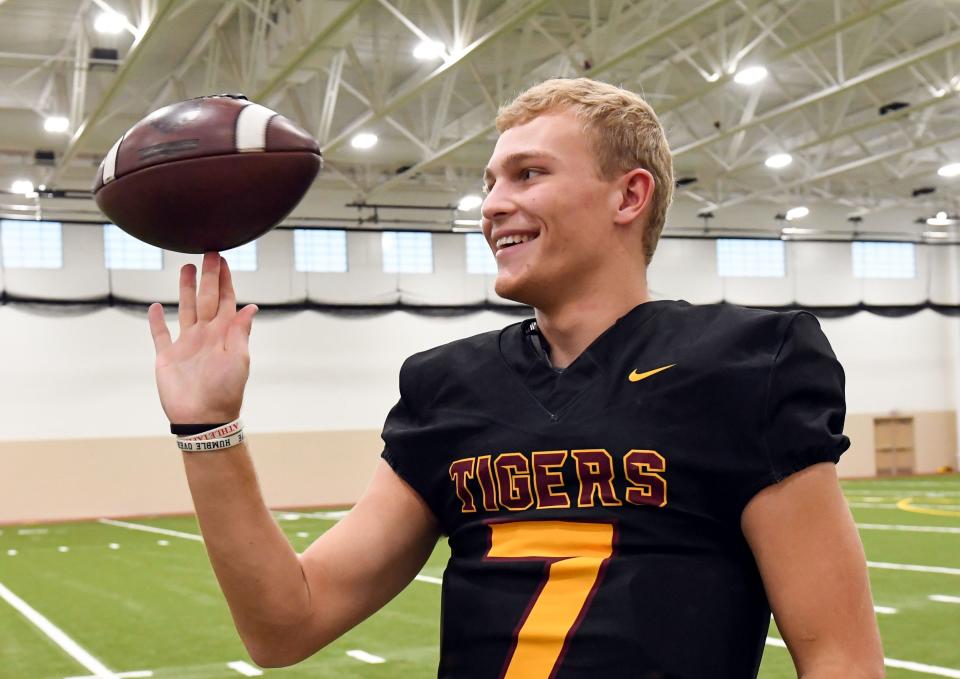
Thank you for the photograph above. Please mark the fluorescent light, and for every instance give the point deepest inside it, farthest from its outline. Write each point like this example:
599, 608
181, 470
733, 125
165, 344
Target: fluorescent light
471, 202
56, 124
109, 22
363, 140
936, 234
429, 49
751, 75
22, 186
950, 170
797, 213
467, 222
778, 160
940, 220
794, 231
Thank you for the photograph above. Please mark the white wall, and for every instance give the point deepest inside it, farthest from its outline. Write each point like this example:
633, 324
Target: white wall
91, 375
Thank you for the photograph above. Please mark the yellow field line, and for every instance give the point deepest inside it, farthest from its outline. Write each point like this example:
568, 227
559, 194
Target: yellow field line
906, 504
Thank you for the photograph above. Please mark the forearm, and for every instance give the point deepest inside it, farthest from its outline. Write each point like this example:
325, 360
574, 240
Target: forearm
256, 566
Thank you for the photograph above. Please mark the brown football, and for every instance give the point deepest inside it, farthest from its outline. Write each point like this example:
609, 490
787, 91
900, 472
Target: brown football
207, 174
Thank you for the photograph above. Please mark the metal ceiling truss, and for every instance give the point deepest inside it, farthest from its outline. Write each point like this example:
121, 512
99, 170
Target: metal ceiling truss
342, 68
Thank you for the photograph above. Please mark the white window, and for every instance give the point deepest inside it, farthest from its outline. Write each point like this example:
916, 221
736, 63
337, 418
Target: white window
479, 257
884, 260
316, 250
123, 251
243, 258
743, 257
31, 245
407, 252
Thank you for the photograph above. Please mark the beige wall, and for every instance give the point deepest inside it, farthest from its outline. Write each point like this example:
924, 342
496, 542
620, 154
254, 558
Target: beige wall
86, 478
935, 442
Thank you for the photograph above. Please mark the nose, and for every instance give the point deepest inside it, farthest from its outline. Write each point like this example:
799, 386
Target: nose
497, 204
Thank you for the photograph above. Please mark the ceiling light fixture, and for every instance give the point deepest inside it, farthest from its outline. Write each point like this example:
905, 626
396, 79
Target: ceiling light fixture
942, 219
363, 140
56, 124
429, 49
950, 170
751, 75
936, 234
778, 160
797, 213
23, 187
109, 22
470, 202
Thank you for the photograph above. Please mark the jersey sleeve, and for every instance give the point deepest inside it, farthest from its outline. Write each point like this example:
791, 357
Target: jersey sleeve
408, 438
804, 405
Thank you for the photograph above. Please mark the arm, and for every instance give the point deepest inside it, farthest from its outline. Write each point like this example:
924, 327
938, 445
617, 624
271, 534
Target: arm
814, 571
285, 606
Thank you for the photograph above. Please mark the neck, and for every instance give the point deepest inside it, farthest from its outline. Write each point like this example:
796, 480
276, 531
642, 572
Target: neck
572, 325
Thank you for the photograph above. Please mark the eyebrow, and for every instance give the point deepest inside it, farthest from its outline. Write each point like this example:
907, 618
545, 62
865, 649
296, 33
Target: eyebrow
518, 158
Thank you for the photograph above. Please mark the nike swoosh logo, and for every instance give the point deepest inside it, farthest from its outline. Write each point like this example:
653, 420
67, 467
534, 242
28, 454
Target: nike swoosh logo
636, 377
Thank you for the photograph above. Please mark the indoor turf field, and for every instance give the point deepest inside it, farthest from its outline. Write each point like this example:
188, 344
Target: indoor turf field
138, 598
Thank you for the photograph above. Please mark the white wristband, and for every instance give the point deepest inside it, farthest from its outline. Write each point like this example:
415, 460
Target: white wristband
223, 431
212, 445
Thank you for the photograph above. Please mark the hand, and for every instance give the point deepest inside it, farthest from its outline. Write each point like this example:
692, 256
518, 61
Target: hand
202, 375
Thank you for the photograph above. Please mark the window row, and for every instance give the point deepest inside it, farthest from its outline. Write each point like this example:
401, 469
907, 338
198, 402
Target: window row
28, 244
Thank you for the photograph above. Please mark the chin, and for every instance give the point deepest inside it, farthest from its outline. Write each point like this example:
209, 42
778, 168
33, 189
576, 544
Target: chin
516, 289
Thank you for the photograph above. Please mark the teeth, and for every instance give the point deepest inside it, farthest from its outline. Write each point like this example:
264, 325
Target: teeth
512, 240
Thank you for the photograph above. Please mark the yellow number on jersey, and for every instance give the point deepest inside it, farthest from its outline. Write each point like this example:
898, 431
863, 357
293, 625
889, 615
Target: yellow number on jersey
582, 548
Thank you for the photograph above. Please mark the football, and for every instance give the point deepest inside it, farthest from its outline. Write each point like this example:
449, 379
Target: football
207, 174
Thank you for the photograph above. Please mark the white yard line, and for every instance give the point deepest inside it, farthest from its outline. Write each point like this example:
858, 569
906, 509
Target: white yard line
892, 662
943, 570
363, 656
429, 578
246, 669
137, 674
909, 528
870, 505
944, 598
58, 636
151, 529
325, 516
886, 610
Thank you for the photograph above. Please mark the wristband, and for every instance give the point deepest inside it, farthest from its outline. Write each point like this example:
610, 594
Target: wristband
191, 429
210, 445
216, 431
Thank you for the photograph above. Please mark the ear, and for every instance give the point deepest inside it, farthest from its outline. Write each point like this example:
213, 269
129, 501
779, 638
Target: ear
636, 193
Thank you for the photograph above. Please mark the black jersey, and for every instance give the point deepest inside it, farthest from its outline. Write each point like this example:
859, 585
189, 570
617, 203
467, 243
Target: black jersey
593, 513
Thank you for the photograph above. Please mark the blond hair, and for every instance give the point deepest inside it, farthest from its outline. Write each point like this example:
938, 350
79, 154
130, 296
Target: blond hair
623, 128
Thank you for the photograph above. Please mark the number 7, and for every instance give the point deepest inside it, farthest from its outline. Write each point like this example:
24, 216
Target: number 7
576, 552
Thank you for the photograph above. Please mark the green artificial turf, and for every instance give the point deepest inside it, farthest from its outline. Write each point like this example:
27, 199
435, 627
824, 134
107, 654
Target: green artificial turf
153, 604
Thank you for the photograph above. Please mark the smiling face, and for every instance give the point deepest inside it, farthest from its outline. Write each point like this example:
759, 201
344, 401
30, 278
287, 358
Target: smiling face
548, 215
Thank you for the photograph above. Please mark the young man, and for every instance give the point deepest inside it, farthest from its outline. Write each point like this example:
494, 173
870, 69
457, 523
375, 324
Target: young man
628, 486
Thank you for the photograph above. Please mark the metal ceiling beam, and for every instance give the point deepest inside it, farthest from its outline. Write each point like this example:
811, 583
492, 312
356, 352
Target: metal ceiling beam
809, 41
838, 170
319, 40
134, 55
646, 41
222, 17
890, 66
518, 15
